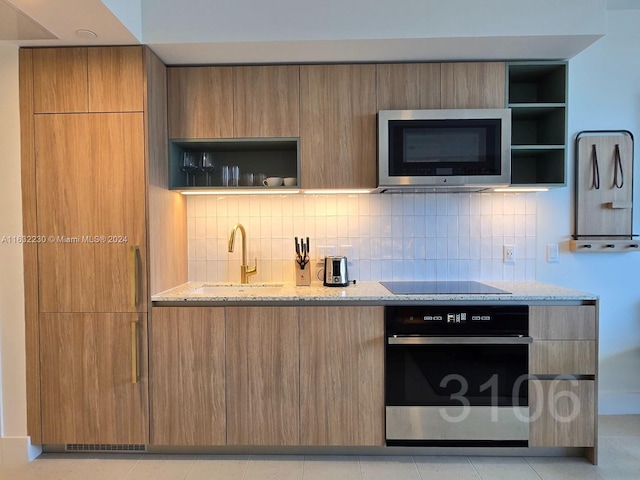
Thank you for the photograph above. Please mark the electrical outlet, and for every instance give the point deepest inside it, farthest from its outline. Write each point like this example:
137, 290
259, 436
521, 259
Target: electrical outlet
346, 250
509, 253
324, 251
553, 255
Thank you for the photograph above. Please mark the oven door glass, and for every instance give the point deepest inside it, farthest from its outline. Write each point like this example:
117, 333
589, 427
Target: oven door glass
455, 375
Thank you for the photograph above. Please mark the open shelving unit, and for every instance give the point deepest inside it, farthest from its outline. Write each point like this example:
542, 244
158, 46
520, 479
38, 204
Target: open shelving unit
537, 97
269, 156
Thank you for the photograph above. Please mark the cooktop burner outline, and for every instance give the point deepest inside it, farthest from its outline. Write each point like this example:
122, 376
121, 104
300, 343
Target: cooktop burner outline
427, 287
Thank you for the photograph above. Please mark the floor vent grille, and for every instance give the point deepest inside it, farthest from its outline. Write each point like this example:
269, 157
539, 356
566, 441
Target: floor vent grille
94, 447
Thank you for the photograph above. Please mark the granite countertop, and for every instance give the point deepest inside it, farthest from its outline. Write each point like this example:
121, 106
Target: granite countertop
360, 293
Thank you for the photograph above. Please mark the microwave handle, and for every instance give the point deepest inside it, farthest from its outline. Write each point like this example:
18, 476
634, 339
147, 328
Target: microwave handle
459, 340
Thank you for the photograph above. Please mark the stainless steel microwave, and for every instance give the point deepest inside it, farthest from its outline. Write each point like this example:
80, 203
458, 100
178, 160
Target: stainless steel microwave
456, 148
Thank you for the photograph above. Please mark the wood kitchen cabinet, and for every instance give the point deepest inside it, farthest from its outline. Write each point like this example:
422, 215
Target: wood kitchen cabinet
187, 376
200, 102
93, 375
233, 102
407, 86
81, 80
266, 101
473, 85
563, 362
338, 126
562, 413
91, 206
341, 376
262, 376
94, 183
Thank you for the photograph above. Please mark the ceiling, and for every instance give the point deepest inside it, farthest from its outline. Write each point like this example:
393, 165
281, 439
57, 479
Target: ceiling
281, 31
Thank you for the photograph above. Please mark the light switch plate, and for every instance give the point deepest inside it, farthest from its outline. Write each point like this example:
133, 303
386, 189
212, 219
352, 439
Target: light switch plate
553, 254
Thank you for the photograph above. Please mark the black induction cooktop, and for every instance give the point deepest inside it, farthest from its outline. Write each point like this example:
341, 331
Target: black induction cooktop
442, 288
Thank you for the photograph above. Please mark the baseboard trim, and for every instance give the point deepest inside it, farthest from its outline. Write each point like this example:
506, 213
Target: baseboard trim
18, 450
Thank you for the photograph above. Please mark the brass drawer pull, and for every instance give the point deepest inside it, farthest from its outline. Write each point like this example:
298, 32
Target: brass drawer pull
135, 371
135, 253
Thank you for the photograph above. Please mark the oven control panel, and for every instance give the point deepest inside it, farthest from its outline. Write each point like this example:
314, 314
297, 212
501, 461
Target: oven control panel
455, 320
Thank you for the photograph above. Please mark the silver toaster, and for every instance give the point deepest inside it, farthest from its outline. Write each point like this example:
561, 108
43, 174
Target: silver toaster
335, 272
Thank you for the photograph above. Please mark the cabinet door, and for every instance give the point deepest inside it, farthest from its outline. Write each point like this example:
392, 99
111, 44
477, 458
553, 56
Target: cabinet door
342, 376
60, 80
562, 413
408, 86
91, 207
200, 102
186, 372
266, 101
115, 79
560, 357
262, 376
563, 322
473, 85
338, 126
88, 394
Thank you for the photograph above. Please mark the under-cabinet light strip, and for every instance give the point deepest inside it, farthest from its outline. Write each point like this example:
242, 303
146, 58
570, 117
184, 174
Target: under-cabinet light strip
228, 191
520, 189
343, 191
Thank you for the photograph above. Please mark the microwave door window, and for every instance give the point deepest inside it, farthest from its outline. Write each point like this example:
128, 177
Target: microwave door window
444, 146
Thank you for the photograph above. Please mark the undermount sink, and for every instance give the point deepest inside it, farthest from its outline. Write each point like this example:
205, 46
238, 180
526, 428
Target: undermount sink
233, 289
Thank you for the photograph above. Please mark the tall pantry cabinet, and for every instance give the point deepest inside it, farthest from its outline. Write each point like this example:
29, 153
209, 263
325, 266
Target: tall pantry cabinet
93, 126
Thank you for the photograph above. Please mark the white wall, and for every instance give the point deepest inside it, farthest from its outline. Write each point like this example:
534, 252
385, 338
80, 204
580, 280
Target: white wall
604, 94
13, 416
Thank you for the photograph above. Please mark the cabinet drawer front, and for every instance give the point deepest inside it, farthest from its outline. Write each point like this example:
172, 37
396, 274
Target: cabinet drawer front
563, 323
562, 413
563, 357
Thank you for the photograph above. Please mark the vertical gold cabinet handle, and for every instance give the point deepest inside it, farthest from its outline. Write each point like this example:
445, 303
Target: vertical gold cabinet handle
135, 250
135, 375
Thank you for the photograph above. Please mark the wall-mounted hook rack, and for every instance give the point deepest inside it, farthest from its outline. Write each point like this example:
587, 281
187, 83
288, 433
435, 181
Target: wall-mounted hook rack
604, 192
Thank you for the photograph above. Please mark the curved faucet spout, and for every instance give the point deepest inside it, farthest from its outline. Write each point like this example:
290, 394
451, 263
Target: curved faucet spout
245, 270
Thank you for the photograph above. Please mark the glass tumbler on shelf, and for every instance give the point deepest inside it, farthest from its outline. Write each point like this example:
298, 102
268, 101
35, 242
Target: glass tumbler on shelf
208, 166
189, 165
234, 175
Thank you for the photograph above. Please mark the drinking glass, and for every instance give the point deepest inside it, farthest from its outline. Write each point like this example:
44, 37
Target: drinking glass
189, 165
234, 175
208, 166
224, 175
246, 180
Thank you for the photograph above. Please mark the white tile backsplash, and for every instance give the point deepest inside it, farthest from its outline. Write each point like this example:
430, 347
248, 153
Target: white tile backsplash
393, 237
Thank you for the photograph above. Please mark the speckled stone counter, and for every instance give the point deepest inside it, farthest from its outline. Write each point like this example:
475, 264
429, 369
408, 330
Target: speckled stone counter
362, 293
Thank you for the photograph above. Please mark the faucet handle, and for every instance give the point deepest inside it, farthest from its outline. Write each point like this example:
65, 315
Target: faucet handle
253, 270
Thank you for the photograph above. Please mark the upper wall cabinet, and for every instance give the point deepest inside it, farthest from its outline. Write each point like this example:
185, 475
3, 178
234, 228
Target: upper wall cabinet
473, 85
404, 86
537, 96
233, 102
266, 101
82, 80
200, 102
338, 126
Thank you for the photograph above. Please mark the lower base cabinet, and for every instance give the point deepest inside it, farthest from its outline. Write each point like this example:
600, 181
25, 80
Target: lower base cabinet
262, 373
342, 376
93, 378
562, 413
187, 376
270, 376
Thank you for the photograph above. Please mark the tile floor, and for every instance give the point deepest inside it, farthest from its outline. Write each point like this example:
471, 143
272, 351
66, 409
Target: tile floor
619, 460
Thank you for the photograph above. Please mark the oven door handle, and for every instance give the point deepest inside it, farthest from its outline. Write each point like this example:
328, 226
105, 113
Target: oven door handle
459, 340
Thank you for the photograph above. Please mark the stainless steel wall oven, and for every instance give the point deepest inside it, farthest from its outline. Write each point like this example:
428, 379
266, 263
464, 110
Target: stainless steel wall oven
457, 375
